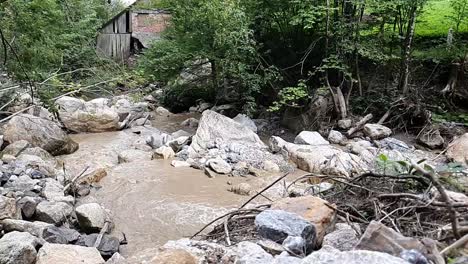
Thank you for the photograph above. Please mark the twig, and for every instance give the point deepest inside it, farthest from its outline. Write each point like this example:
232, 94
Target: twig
101, 234
226, 230
459, 243
68, 186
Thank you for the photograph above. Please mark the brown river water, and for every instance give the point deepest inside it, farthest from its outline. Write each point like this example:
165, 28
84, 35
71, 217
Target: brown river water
151, 201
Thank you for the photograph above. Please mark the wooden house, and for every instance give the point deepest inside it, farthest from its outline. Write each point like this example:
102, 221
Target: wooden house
130, 30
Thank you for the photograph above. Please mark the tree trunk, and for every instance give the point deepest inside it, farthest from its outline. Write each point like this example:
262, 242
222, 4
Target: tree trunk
406, 51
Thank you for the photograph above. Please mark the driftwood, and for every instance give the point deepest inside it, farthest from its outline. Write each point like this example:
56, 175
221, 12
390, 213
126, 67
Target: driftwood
101, 234
359, 124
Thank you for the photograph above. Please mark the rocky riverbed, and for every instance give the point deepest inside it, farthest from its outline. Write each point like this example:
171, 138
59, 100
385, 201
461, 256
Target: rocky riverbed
118, 181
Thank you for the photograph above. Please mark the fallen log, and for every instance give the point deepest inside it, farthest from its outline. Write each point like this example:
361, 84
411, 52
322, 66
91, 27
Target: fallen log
359, 124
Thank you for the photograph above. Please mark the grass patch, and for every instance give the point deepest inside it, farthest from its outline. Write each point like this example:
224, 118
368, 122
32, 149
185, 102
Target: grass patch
435, 19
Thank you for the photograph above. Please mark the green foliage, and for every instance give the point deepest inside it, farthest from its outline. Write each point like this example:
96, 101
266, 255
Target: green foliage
450, 117
291, 97
391, 167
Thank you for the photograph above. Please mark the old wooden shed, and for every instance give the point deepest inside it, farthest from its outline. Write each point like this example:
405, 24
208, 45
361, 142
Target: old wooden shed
130, 30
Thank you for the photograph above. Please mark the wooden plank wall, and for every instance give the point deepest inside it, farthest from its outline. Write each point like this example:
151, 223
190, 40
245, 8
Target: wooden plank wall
116, 46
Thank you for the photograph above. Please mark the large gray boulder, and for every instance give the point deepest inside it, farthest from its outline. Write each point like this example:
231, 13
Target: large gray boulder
376, 131
93, 116
277, 225
70, 254
18, 248
53, 212
41, 133
91, 217
312, 138
327, 256
215, 127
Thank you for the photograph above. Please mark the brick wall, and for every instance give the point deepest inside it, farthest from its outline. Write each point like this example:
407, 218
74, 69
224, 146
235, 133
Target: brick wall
149, 22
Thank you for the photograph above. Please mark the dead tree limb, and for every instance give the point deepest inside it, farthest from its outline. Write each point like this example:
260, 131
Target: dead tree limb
359, 124
72, 182
459, 243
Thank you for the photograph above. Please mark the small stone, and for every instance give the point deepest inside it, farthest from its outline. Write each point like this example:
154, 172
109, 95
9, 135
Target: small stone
28, 206
69, 254
165, 152
60, 235
190, 122
312, 138
431, 139
296, 245
7, 208
35, 228
8, 158
376, 131
181, 133
414, 257
108, 246
18, 248
345, 123
251, 253
53, 212
179, 164
270, 166
91, 217
241, 189
336, 137
162, 111
344, 238
219, 166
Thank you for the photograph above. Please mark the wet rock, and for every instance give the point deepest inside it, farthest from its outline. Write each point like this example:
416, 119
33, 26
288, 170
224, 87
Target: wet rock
179, 164
277, 225
16, 148
116, 259
190, 122
246, 121
27, 205
93, 116
310, 138
18, 248
35, 228
219, 166
344, 238
70, 254
7, 208
311, 208
376, 131
458, 150
108, 246
176, 256
91, 217
378, 237
53, 212
345, 123
41, 133
431, 139
296, 245
351, 257
251, 253
324, 159
162, 111
336, 137
241, 189
60, 235
131, 155
165, 152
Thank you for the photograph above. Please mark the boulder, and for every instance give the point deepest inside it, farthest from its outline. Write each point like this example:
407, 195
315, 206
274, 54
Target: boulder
93, 116
312, 209
18, 248
41, 133
219, 166
108, 246
336, 137
250, 253
246, 121
351, 257
378, 237
345, 124
175, 256
376, 131
165, 152
295, 245
344, 238
27, 205
215, 127
325, 159
91, 217
60, 235
131, 155
15, 148
70, 254
306, 118
35, 228
178, 143
53, 191
190, 122
162, 111
431, 139
310, 138
458, 150
53, 212
277, 225
7, 208
157, 140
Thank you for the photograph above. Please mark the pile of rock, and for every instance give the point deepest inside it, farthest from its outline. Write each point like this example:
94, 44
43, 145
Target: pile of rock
303, 231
